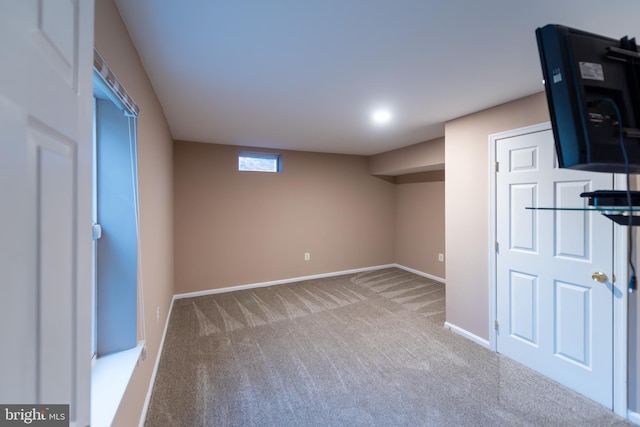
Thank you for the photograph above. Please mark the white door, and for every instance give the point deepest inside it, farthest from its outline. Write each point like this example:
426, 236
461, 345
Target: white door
552, 316
46, 51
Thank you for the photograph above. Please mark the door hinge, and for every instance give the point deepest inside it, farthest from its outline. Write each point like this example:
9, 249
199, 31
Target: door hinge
496, 167
96, 231
496, 246
495, 325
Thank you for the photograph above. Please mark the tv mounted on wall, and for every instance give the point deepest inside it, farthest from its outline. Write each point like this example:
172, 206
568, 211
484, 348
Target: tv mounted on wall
592, 85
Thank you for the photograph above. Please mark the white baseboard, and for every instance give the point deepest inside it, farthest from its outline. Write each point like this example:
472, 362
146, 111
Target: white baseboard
278, 282
633, 416
152, 381
468, 335
420, 273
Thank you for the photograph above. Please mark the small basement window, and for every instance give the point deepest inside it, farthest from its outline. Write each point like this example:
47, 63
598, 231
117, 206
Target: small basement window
259, 162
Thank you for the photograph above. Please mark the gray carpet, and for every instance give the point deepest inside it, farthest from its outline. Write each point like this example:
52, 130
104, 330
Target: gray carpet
364, 349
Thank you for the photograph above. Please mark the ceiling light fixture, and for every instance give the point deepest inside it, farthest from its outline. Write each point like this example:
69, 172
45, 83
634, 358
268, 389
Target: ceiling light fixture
381, 116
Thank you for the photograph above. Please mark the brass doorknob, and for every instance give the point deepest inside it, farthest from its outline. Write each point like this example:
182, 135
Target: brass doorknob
599, 276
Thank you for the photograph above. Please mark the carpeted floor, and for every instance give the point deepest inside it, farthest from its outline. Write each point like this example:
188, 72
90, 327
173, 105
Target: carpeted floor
365, 349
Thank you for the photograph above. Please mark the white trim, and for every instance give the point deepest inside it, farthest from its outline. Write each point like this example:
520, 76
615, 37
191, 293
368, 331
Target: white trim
492, 239
620, 312
278, 282
620, 343
633, 416
110, 376
420, 273
152, 381
463, 332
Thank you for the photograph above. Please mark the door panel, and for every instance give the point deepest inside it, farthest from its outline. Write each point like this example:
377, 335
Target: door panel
17, 258
46, 90
56, 36
573, 312
524, 159
572, 227
523, 236
552, 316
55, 160
523, 292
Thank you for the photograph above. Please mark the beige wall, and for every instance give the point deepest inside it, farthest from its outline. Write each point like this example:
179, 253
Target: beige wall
425, 156
419, 225
155, 193
235, 228
467, 206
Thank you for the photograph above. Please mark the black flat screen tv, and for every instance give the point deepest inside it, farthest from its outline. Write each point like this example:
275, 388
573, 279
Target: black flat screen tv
593, 94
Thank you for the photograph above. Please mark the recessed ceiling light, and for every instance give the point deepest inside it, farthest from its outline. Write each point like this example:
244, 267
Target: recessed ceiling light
381, 116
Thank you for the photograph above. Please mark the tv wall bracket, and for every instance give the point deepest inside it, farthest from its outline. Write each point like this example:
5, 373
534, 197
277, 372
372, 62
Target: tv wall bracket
628, 53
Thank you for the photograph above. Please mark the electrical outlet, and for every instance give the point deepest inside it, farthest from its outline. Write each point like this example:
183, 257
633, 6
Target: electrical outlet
158, 314
441, 257
307, 256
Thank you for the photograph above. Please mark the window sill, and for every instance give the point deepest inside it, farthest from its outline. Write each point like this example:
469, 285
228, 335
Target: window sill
110, 377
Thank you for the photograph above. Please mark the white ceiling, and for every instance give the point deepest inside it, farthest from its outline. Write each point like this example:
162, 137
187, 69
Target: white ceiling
305, 74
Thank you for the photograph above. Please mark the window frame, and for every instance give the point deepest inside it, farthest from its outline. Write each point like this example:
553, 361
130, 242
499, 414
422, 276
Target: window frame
115, 114
258, 155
